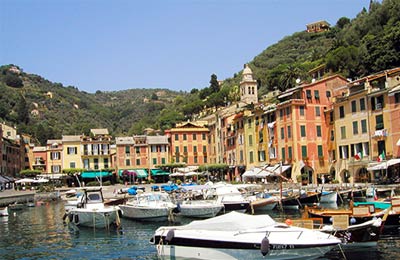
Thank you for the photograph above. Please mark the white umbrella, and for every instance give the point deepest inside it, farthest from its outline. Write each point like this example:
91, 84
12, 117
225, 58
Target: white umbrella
25, 180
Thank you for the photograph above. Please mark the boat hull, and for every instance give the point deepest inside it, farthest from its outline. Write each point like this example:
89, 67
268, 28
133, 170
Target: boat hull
204, 253
199, 209
146, 214
102, 218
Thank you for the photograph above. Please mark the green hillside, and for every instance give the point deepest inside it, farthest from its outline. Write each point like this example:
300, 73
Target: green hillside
354, 47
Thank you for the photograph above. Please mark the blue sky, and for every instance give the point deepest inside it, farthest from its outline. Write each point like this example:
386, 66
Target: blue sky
175, 44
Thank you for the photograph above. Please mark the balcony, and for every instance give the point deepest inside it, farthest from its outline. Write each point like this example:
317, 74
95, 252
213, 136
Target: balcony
380, 133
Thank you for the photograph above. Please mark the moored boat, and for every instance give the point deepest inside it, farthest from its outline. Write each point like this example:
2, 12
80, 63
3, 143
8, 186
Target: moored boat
149, 206
3, 211
241, 236
91, 211
200, 208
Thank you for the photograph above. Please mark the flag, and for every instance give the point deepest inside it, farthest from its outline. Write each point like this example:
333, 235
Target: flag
358, 156
381, 157
375, 195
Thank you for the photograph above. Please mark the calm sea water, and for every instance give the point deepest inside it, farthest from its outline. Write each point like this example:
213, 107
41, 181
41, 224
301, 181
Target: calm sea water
39, 233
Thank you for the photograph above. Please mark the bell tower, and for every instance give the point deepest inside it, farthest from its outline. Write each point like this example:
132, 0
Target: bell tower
248, 87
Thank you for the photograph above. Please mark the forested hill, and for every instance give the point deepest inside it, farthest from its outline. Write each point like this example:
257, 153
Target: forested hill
353, 47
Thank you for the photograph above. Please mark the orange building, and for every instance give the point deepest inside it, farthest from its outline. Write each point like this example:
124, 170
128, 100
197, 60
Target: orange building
301, 129
189, 143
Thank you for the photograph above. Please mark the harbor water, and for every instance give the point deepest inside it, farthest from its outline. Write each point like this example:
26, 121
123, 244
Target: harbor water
39, 233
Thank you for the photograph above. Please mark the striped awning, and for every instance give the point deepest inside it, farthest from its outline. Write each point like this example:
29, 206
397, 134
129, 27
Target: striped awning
141, 173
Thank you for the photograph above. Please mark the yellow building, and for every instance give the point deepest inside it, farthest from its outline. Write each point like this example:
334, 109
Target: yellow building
72, 152
54, 149
96, 153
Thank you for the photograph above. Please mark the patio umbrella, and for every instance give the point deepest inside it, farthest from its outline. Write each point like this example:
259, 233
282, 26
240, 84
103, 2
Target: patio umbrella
25, 180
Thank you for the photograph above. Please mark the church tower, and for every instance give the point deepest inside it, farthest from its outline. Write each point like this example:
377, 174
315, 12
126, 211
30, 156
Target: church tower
248, 87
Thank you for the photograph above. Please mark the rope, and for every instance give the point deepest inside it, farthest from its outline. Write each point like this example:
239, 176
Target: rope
341, 250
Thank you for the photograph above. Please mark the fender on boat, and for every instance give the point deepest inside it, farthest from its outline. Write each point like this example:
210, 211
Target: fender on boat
264, 246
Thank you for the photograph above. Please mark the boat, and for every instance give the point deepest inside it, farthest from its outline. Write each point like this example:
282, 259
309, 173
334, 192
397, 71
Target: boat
263, 202
232, 198
329, 196
200, 208
149, 206
91, 211
3, 211
365, 234
236, 235
357, 215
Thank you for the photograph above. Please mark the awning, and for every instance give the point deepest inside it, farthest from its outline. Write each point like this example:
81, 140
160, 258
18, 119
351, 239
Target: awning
383, 165
3, 180
158, 172
141, 173
94, 174
249, 174
127, 172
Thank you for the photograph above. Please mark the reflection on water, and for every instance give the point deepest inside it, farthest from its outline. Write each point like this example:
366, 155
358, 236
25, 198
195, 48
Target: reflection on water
39, 233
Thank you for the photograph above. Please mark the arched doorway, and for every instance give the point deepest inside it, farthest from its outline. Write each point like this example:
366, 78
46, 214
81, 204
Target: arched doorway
307, 174
345, 176
362, 175
332, 175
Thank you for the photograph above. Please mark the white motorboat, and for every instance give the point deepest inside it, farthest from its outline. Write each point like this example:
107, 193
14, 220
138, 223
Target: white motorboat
3, 211
149, 206
240, 236
91, 211
232, 198
200, 208
262, 202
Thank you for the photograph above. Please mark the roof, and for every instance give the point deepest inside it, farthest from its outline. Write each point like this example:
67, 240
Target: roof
71, 138
39, 149
124, 140
99, 131
159, 139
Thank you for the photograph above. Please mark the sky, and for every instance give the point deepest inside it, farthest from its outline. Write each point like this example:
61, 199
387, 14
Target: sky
174, 44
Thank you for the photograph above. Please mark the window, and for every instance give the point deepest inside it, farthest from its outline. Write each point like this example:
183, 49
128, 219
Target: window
355, 128
288, 111
308, 94
204, 136
195, 159
303, 131
163, 161
332, 135
362, 104
185, 150
343, 132
72, 150
55, 155
137, 150
249, 123
379, 122
353, 106
289, 131
319, 132
304, 151
194, 137
377, 103
316, 94
72, 165
184, 137
176, 149
290, 152
328, 94
176, 137
137, 161
153, 148
282, 133
127, 150
317, 111
86, 164
364, 126
341, 112
154, 161
105, 161
195, 149
96, 163
251, 155
320, 151
283, 154
250, 140
204, 149
301, 110
397, 98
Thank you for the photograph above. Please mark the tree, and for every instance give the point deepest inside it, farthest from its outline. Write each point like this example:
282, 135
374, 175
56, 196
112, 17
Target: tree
214, 85
13, 80
22, 110
342, 22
